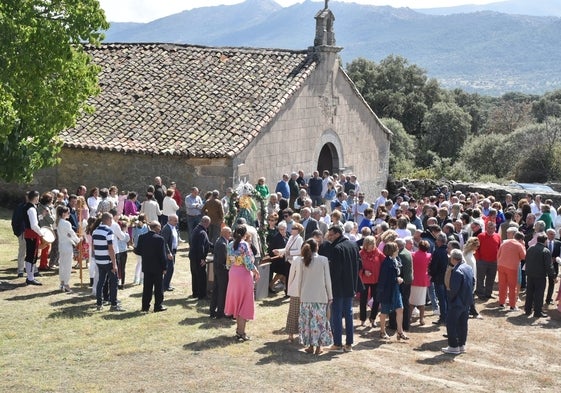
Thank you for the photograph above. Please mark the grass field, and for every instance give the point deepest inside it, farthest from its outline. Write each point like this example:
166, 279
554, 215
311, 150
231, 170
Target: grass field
56, 342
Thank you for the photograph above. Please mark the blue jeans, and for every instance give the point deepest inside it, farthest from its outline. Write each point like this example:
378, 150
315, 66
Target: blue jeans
192, 222
342, 307
106, 273
440, 290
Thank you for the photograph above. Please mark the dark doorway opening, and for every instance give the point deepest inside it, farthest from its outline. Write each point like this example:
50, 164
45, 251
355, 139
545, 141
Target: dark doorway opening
328, 159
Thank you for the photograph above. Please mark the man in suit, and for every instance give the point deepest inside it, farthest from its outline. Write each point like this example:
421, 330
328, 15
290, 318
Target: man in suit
554, 246
151, 247
538, 267
344, 262
309, 224
220, 274
171, 237
198, 250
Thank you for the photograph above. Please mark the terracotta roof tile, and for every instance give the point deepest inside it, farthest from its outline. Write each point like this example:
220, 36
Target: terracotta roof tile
186, 100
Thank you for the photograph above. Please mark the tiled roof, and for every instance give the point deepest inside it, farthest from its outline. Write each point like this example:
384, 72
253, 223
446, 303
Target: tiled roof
186, 100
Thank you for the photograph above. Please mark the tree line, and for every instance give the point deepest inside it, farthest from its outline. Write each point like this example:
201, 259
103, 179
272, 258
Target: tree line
459, 135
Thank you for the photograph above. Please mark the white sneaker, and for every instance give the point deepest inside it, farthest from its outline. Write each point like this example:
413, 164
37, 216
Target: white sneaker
451, 350
415, 312
462, 349
436, 312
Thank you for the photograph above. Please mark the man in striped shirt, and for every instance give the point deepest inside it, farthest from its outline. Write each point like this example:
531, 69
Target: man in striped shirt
104, 256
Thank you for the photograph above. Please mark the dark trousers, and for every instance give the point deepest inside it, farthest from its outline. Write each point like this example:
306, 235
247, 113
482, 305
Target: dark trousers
364, 296
486, 273
405, 290
198, 278
31, 250
457, 325
152, 281
440, 290
121, 264
169, 272
551, 283
523, 280
219, 287
535, 289
106, 274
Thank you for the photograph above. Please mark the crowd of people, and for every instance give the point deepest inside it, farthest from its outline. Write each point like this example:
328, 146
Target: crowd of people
326, 243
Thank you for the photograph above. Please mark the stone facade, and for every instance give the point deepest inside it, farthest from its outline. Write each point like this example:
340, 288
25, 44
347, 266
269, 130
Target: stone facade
327, 110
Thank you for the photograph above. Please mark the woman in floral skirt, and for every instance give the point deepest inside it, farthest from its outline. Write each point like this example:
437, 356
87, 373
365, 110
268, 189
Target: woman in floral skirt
315, 298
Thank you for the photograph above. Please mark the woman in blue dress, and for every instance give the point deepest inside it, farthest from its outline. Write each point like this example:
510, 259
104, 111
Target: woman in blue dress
388, 293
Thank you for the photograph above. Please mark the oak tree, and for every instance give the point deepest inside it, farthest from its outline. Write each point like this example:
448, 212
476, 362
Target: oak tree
45, 78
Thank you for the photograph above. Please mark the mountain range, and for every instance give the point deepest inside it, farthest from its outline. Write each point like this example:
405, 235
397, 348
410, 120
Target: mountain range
473, 48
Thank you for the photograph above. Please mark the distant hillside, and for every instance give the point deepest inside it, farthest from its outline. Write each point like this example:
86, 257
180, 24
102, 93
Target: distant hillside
520, 7
487, 52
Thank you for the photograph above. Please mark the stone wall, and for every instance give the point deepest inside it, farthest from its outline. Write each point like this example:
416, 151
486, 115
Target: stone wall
131, 172
421, 188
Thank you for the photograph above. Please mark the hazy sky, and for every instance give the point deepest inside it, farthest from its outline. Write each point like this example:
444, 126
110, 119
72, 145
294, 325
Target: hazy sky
147, 10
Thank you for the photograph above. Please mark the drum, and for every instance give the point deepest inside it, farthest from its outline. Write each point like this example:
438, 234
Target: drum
48, 237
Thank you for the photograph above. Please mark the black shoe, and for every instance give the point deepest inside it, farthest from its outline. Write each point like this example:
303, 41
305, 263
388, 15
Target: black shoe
120, 287
540, 315
549, 302
170, 289
32, 282
144, 309
528, 312
161, 308
439, 322
491, 297
20, 275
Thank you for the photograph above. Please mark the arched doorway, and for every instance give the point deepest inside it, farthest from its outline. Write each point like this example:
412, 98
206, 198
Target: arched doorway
328, 159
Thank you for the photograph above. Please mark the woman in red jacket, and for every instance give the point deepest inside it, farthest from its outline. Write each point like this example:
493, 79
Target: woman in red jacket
371, 261
421, 280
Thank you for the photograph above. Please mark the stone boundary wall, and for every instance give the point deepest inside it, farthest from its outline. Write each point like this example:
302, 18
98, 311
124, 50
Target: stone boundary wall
427, 187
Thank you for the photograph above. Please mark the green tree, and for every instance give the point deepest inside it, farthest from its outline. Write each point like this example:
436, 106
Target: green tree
402, 148
396, 89
547, 106
45, 77
446, 127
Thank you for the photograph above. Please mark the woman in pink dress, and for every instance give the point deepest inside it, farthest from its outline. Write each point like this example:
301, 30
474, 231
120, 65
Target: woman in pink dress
421, 280
243, 273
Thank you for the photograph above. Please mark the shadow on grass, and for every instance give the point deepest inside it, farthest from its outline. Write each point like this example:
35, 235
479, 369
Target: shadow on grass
33, 295
120, 316
73, 312
438, 359
433, 346
72, 299
204, 320
285, 353
212, 343
10, 286
276, 302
